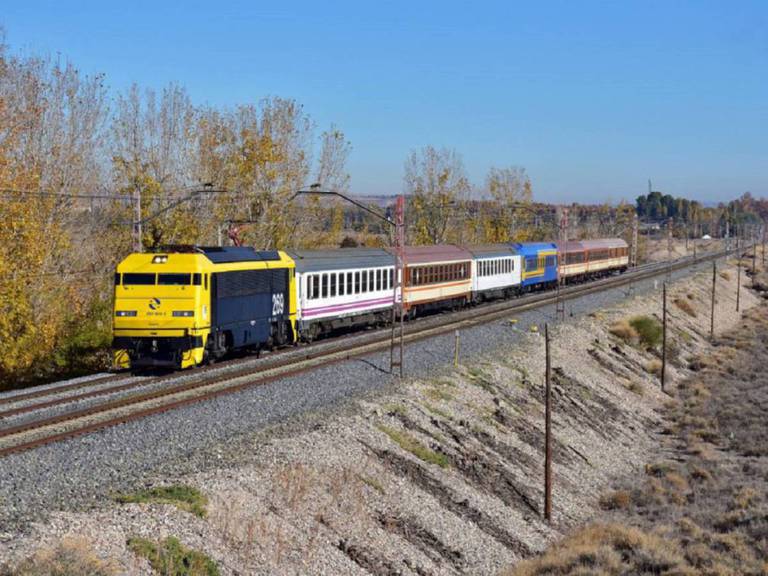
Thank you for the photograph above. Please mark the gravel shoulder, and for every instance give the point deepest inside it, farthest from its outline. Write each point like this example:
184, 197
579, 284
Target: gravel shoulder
349, 471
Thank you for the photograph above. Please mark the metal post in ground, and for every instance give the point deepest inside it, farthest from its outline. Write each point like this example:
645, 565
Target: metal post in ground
712, 313
664, 338
456, 350
547, 430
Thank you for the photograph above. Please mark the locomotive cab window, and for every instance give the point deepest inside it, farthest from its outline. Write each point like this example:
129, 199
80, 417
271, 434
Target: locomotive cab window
117, 279
174, 279
138, 279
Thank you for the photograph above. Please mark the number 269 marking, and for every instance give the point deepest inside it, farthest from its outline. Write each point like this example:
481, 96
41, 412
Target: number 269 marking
278, 304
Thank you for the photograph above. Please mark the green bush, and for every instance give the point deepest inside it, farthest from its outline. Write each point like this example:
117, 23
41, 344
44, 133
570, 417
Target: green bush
649, 330
171, 558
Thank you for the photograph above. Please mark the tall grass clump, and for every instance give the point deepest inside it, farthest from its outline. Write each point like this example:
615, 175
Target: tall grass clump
649, 330
170, 557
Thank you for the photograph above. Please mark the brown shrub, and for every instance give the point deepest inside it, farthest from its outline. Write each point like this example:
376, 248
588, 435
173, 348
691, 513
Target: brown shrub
744, 498
725, 275
686, 307
618, 500
653, 367
606, 549
623, 330
71, 556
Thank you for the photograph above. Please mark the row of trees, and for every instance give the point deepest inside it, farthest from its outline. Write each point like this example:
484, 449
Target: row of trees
691, 217
73, 161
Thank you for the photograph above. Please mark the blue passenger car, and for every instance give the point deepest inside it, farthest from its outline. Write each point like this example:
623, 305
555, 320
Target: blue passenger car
539, 264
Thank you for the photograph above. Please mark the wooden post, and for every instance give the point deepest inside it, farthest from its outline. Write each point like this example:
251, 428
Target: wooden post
664, 338
754, 262
456, 350
547, 430
738, 283
669, 249
712, 313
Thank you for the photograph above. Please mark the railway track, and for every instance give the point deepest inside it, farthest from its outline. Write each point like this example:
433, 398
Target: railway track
177, 390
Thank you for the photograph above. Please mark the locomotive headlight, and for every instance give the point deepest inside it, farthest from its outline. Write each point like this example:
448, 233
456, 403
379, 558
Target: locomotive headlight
159, 259
125, 313
183, 313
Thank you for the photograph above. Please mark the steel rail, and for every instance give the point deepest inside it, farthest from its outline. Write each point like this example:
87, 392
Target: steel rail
293, 366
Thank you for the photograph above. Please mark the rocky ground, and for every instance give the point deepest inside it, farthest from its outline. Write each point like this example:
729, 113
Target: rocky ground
700, 507
443, 474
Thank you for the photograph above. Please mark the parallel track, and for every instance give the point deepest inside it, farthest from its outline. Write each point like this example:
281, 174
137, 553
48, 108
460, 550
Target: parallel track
77, 422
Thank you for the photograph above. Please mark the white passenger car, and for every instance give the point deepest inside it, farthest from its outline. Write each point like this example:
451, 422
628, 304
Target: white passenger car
496, 271
342, 288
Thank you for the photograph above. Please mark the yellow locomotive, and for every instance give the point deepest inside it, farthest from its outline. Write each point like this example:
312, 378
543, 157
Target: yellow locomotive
192, 305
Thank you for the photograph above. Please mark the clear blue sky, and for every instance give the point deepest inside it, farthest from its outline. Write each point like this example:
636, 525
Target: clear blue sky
593, 98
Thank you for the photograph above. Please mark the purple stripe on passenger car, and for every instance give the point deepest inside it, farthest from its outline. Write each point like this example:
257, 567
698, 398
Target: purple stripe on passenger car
345, 307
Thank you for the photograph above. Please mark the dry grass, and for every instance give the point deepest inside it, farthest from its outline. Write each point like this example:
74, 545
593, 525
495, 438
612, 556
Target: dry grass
705, 509
725, 275
686, 307
70, 557
618, 500
623, 330
607, 549
653, 367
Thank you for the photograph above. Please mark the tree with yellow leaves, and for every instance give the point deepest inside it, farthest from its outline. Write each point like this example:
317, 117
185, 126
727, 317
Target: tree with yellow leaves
438, 185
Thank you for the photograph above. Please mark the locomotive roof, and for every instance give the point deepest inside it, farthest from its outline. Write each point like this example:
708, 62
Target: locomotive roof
436, 253
227, 254
340, 259
490, 250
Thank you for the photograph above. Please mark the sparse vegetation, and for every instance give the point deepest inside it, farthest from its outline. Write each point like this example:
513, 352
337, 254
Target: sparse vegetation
635, 387
396, 410
373, 483
412, 445
686, 307
183, 497
437, 394
623, 330
607, 549
725, 275
653, 367
481, 378
171, 558
702, 511
437, 411
620, 499
648, 330
70, 557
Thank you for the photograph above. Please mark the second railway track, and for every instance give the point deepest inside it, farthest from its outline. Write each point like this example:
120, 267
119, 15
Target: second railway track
211, 382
